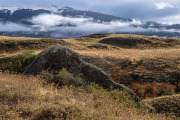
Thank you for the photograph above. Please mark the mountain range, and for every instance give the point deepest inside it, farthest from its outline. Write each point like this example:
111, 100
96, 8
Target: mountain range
68, 22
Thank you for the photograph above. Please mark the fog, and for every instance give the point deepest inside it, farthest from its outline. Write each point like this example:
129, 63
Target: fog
11, 27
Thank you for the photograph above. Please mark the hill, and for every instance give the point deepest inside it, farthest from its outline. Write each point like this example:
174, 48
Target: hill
125, 58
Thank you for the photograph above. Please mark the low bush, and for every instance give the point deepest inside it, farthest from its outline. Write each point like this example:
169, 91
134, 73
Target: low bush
152, 90
20, 62
62, 78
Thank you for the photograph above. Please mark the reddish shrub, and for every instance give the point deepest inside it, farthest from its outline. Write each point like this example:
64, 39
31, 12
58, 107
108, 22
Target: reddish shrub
152, 90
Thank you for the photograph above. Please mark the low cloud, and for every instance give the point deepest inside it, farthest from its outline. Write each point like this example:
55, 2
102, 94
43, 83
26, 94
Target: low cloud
11, 27
162, 5
51, 22
64, 27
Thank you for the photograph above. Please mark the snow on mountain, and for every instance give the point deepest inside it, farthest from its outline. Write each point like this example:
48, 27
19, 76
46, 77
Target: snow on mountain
54, 9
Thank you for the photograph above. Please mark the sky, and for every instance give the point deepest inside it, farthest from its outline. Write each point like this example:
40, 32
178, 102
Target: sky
162, 11
138, 9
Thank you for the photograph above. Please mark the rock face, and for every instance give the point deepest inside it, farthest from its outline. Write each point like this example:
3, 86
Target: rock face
58, 57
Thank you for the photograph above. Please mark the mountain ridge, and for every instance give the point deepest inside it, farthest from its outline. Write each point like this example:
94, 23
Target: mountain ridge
96, 23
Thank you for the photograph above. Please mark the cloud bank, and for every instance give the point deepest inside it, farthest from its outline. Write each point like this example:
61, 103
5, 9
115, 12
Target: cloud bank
52, 22
64, 27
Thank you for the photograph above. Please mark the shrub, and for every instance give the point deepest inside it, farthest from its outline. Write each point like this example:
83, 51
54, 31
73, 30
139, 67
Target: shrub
152, 90
63, 78
20, 62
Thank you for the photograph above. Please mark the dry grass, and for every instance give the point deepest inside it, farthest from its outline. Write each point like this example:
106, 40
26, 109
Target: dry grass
166, 104
20, 98
133, 53
24, 97
90, 45
16, 44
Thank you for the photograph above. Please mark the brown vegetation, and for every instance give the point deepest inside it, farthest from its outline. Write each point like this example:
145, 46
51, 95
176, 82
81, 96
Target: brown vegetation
144, 60
24, 97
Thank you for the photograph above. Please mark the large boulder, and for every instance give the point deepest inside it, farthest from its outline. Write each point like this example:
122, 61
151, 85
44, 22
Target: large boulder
55, 58
58, 57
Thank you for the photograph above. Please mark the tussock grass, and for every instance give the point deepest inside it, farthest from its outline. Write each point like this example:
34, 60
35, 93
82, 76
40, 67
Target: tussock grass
30, 97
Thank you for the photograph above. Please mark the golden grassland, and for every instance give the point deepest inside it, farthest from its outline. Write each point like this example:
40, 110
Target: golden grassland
133, 53
156, 61
104, 55
91, 46
24, 97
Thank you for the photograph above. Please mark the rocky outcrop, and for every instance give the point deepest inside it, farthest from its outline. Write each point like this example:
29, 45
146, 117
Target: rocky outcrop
58, 57
55, 58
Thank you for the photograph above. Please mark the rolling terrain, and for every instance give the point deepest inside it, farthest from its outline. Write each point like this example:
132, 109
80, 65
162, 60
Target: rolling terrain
131, 58
125, 58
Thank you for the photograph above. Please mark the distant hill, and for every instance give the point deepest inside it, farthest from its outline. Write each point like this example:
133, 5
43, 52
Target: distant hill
20, 14
12, 18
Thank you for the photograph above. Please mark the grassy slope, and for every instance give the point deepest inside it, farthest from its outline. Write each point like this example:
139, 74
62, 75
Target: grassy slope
30, 98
